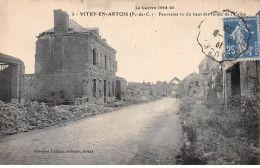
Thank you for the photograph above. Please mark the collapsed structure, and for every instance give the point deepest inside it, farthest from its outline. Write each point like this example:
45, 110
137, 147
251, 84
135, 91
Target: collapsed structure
189, 86
174, 85
198, 84
72, 62
11, 79
241, 81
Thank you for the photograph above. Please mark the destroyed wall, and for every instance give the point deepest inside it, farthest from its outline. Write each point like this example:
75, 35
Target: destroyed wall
70, 85
174, 85
241, 79
70, 52
174, 89
54, 87
121, 87
57, 54
145, 88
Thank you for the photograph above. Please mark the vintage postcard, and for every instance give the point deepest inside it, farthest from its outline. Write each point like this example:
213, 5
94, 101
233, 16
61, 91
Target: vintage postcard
129, 82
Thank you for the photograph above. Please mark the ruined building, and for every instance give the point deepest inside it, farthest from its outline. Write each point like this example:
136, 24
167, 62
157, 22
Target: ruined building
11, 79
121, 87
72, 62
241, 80
207, 70
174, 85
189, 86
206, 66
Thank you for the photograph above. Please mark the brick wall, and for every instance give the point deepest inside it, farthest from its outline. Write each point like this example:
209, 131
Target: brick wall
53, 87
69, 85
61, 53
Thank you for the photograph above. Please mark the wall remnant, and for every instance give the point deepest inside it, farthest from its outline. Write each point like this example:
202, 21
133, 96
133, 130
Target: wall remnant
120, 87
174, 85
11, 79
241, 80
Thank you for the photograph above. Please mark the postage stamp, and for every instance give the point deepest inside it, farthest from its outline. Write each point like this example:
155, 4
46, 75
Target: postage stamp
241, 38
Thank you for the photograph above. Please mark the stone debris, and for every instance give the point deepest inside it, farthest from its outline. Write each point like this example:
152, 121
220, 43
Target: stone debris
132, 96
116, 103
16, 118
135, 96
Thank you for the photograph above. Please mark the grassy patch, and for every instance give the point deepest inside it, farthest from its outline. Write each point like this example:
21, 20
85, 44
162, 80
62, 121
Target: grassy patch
215, 136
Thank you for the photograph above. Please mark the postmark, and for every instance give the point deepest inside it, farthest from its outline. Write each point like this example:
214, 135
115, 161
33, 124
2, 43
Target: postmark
211, 38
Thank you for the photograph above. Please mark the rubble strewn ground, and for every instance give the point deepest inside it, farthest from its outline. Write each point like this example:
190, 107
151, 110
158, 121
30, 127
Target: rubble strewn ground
141, 134
15, 118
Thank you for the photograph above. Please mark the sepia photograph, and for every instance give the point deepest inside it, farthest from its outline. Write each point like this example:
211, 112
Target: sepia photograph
129, 82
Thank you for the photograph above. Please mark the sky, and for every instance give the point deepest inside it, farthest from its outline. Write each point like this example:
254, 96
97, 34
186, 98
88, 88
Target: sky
148, 49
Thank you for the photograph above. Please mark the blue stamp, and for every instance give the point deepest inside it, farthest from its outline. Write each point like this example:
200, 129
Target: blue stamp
241, 38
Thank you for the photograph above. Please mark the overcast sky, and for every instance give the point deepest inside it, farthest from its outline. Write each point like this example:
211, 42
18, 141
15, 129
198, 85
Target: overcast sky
148, 48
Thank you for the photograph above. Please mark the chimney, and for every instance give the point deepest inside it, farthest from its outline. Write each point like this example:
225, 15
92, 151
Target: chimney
61, 21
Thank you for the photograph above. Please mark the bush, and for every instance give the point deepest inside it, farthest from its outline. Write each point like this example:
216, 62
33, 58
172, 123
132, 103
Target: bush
217, 136
187, 156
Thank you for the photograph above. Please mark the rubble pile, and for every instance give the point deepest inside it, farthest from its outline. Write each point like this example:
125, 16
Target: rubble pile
135, 96
15, 118
117, 103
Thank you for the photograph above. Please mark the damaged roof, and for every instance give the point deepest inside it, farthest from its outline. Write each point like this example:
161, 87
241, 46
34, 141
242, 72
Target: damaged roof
193, 75
175, 80
9, 59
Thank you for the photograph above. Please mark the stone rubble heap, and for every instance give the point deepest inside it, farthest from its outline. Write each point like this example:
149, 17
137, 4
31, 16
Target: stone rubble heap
15, 118
135, 96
